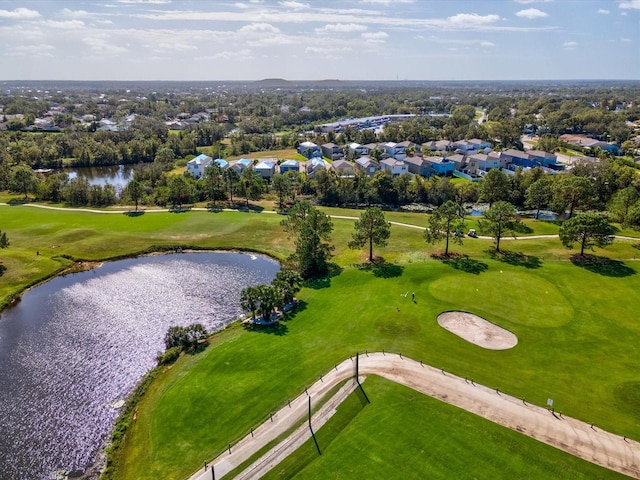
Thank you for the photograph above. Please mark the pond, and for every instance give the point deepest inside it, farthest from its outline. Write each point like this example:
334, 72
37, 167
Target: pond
73, 348
116, 175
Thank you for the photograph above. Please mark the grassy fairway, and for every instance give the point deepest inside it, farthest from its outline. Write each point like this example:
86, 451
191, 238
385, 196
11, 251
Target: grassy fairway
585, 357
578, 335
406, 435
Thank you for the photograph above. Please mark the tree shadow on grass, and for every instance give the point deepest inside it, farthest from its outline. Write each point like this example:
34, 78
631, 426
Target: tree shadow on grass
324, 282
254, 208
2, 269
278, 328
462, 262
134, 213
602, 265
301, 306
17, 201
179, 209
519, 227
382, 269
517, 259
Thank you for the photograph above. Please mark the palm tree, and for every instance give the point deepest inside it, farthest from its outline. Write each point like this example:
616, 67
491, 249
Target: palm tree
249, 300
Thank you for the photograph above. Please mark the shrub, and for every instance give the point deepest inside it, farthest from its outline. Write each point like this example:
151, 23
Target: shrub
168, 356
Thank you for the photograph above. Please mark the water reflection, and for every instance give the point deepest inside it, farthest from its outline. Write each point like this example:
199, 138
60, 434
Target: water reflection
76, 345
116, 175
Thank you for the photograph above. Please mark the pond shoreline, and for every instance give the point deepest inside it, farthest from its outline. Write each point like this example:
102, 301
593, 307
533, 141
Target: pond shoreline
82, 265
243, 265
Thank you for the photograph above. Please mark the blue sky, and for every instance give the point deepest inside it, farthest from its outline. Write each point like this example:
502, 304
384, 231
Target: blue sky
313, 40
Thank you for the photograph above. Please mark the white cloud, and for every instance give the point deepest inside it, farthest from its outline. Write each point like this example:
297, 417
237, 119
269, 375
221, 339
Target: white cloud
242, 6
294, 5
259, 28
143, 2
19, 14
228, 55
177, 47
328, 51
375, 37
75, 13
387, 2
41, 50
487, 44
626, 40
630, 4
532, 13
103, 46
342, 28
472, 19
526, 2
570, 45
604, 11
65, 25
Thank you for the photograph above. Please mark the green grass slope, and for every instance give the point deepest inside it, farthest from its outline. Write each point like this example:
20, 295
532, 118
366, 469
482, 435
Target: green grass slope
578, 344
403, 434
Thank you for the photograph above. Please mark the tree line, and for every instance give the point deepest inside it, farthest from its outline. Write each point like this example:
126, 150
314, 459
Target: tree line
606, 185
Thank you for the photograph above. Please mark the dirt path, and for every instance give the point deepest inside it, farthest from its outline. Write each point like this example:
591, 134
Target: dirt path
573, 436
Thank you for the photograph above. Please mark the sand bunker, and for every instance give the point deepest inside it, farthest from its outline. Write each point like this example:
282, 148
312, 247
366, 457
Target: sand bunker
477, 330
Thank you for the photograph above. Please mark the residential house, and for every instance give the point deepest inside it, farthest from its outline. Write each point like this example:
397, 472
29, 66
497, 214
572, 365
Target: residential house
463, 146
394, 150
309, 150
441, 146
407, 145
479, 144
459, 160
417, 165
343, 168
486, 162
265, 168
497, 157
196, 166
366, 165
591, 143
221, 162
544, 159
462, 163
440, 165
516, 158
289, 166
356, 150
314, 165
395, 167
332, 151
241, 165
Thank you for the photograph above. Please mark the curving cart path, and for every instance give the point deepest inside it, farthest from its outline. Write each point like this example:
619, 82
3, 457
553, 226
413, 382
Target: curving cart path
573, 436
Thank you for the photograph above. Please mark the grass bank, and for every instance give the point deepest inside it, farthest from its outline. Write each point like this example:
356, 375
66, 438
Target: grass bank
404, 434
578, 341
578, 346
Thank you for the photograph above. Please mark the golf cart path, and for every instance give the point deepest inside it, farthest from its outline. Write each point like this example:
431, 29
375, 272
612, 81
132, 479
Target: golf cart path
573, 436
341, 217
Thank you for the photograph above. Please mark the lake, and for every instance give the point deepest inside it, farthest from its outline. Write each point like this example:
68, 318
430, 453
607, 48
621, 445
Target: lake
73, 348
116, 175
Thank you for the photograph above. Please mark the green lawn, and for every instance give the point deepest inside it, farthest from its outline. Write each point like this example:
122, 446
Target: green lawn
404, 434
579, 346
578, 334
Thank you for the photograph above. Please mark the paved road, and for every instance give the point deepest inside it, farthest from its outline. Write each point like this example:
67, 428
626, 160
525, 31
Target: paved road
573, 436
